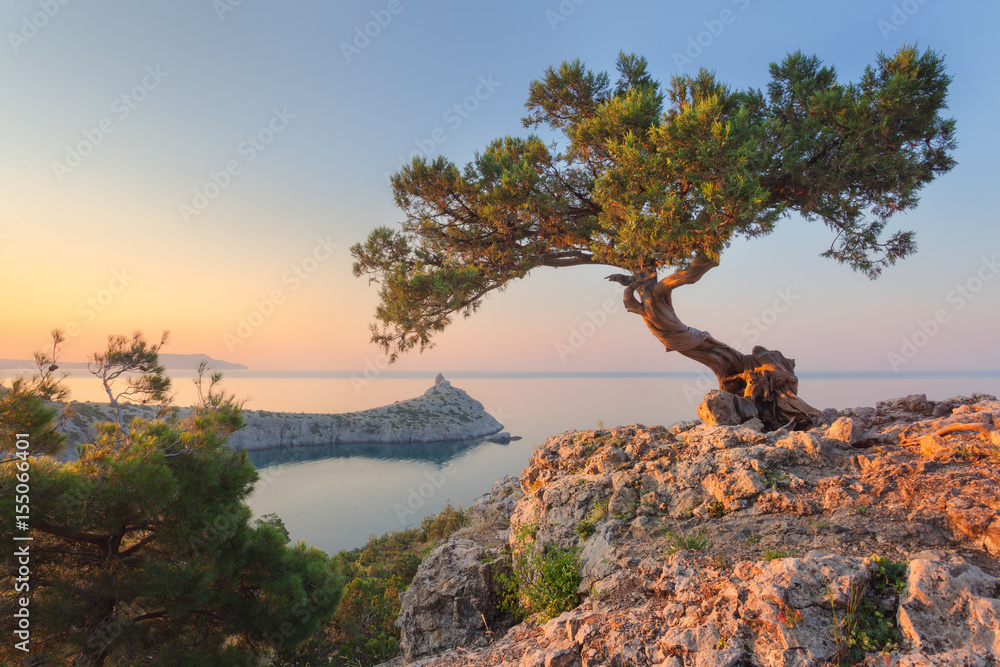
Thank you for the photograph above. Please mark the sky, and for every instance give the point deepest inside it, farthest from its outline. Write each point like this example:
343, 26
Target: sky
204, 168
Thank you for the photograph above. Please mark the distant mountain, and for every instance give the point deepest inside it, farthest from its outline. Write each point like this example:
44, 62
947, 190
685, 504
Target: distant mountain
170, 361
191, 361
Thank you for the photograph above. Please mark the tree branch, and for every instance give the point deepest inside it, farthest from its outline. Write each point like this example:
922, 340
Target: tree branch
138, 545
149, 616
567, 258
632, 304
687, 276
87, 538
622, 279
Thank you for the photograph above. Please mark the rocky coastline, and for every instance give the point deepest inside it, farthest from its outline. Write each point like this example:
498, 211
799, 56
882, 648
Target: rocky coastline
717, 544
442, 413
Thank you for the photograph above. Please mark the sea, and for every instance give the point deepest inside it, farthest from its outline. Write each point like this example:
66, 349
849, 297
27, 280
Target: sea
335, 497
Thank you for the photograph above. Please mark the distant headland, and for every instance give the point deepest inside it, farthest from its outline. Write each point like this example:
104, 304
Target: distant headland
169, 361
442, 413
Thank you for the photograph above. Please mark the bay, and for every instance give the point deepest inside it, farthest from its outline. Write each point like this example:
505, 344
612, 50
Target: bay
334, 497
337, 499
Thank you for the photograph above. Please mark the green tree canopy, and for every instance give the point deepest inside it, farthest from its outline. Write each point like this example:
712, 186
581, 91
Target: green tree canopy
30, 405
130, 371
647, 180
144, 551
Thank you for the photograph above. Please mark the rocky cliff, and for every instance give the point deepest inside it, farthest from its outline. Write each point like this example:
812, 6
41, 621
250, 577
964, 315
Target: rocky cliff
871, 539
441, 413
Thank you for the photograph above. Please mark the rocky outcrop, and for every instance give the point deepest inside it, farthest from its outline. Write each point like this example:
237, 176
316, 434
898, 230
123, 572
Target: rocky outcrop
451, 602
442, 413
722, 408
454, 600
877, 532
948, 613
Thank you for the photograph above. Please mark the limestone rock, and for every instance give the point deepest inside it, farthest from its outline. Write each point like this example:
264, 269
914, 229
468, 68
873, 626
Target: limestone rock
951, 612
496, 506
725, 409
931, 445
809, 443
502, 438
914, 403
670, 578
442, 413
680, 427
845, 430
736, 485
452, 600
597, 559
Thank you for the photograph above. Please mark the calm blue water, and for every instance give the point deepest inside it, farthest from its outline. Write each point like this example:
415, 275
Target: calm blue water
334, 497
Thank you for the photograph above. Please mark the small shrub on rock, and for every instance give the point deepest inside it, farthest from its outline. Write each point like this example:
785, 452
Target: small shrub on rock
543, 581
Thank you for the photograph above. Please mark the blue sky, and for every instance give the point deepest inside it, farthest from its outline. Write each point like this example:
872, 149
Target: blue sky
204, 167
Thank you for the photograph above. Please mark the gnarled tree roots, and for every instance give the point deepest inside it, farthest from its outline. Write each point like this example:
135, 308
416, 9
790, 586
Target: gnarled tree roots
764, 378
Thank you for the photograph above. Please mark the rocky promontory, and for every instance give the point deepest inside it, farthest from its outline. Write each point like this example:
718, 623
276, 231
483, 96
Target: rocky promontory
871, 539
441, 413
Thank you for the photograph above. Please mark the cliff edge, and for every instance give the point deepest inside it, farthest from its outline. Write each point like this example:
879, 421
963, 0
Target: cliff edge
872, 539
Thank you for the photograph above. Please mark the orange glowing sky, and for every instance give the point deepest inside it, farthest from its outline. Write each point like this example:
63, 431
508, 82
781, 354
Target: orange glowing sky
105, 248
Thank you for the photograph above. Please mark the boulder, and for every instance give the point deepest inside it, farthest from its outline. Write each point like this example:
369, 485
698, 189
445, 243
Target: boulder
846, 430
502, 438
732, 485
950, 611
452, 601
721, 408
496, 506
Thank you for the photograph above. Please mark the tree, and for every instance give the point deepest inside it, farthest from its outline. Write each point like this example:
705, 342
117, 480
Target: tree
29, 406
212, 396
126, 357
655, 182
144, 551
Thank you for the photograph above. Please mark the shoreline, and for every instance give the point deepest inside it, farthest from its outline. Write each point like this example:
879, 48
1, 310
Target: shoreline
443, 413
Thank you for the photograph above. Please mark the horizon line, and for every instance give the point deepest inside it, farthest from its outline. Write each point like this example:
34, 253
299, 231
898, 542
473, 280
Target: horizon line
371, 375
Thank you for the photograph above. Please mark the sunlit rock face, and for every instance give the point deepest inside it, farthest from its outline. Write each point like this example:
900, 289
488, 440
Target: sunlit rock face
727, 545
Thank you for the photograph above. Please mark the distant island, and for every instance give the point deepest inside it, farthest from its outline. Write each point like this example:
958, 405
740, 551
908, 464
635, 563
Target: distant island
170, 361
441, 413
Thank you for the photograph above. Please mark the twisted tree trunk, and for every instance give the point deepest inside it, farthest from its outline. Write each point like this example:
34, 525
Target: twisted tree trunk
764, 379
